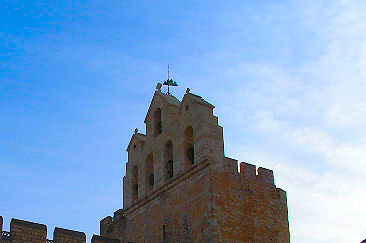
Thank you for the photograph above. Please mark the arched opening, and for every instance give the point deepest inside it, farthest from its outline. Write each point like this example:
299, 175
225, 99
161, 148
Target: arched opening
157, 122
149, 173
168, 159
135, 182
188, 147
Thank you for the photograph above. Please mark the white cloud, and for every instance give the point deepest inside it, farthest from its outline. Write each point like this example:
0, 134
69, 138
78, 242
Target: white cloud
317, 110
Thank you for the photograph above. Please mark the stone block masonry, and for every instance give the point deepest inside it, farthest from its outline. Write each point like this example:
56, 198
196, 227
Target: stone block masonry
65, 235
180, 187
101, 239
24, 231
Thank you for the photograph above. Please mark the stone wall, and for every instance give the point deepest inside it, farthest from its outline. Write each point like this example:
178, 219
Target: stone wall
249, 208
208, 205
177, 212
205, 200
102, 239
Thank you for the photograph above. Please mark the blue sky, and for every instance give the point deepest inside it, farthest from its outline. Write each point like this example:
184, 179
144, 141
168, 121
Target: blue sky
287, 79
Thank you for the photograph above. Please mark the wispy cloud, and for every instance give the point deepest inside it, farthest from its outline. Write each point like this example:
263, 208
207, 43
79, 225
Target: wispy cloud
309, 121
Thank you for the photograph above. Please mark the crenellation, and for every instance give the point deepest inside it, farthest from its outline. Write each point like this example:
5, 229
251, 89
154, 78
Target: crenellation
231, 164
281, 194
248, 170
118, 215
105, 224
25, 231
61, 235
265, 175
22, 231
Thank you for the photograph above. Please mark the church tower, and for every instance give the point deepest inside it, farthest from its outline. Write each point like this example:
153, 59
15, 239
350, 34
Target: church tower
180, 187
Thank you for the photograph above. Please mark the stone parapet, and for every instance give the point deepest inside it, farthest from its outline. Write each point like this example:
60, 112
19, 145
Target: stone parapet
22, 231
263, 175
105, 225
266, 175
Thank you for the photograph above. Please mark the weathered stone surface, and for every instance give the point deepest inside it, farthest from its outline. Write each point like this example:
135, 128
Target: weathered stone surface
205, 199
64, 235
102, 239
24, 231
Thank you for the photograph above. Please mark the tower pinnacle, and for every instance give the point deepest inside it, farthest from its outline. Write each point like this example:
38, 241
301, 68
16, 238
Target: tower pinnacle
169, 82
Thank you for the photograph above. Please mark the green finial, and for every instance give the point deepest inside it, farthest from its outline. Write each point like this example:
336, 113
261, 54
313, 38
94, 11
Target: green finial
169, 82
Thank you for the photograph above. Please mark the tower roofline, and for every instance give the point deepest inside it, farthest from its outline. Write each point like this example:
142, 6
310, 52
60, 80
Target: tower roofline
198, 99
169, 99
139, 136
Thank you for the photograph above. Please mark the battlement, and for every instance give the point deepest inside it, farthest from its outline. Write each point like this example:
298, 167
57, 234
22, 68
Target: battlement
22, 231
65, 235
263, 175
108, 223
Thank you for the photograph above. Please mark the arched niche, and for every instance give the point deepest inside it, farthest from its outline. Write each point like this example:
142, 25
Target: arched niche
168, 160
149, 173
135, 182
188, 146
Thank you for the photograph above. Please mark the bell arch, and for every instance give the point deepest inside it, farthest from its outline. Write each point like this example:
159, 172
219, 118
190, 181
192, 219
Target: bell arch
168, 160
149, 173
188, 146
135, 182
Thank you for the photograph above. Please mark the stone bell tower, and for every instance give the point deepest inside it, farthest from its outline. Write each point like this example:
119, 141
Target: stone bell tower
180, 187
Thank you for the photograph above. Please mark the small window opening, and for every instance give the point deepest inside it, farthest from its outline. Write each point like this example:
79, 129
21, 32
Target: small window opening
157, 122
135, 191
187, 107
149, 172
188, 146
169, 168
190, 154
135, 185
168, 158
134, 146
164, 232
151, 180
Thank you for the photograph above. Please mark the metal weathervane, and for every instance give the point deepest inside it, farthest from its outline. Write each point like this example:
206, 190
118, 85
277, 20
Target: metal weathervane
169, 82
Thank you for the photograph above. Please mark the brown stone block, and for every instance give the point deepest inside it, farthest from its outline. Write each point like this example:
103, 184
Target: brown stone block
61, 235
